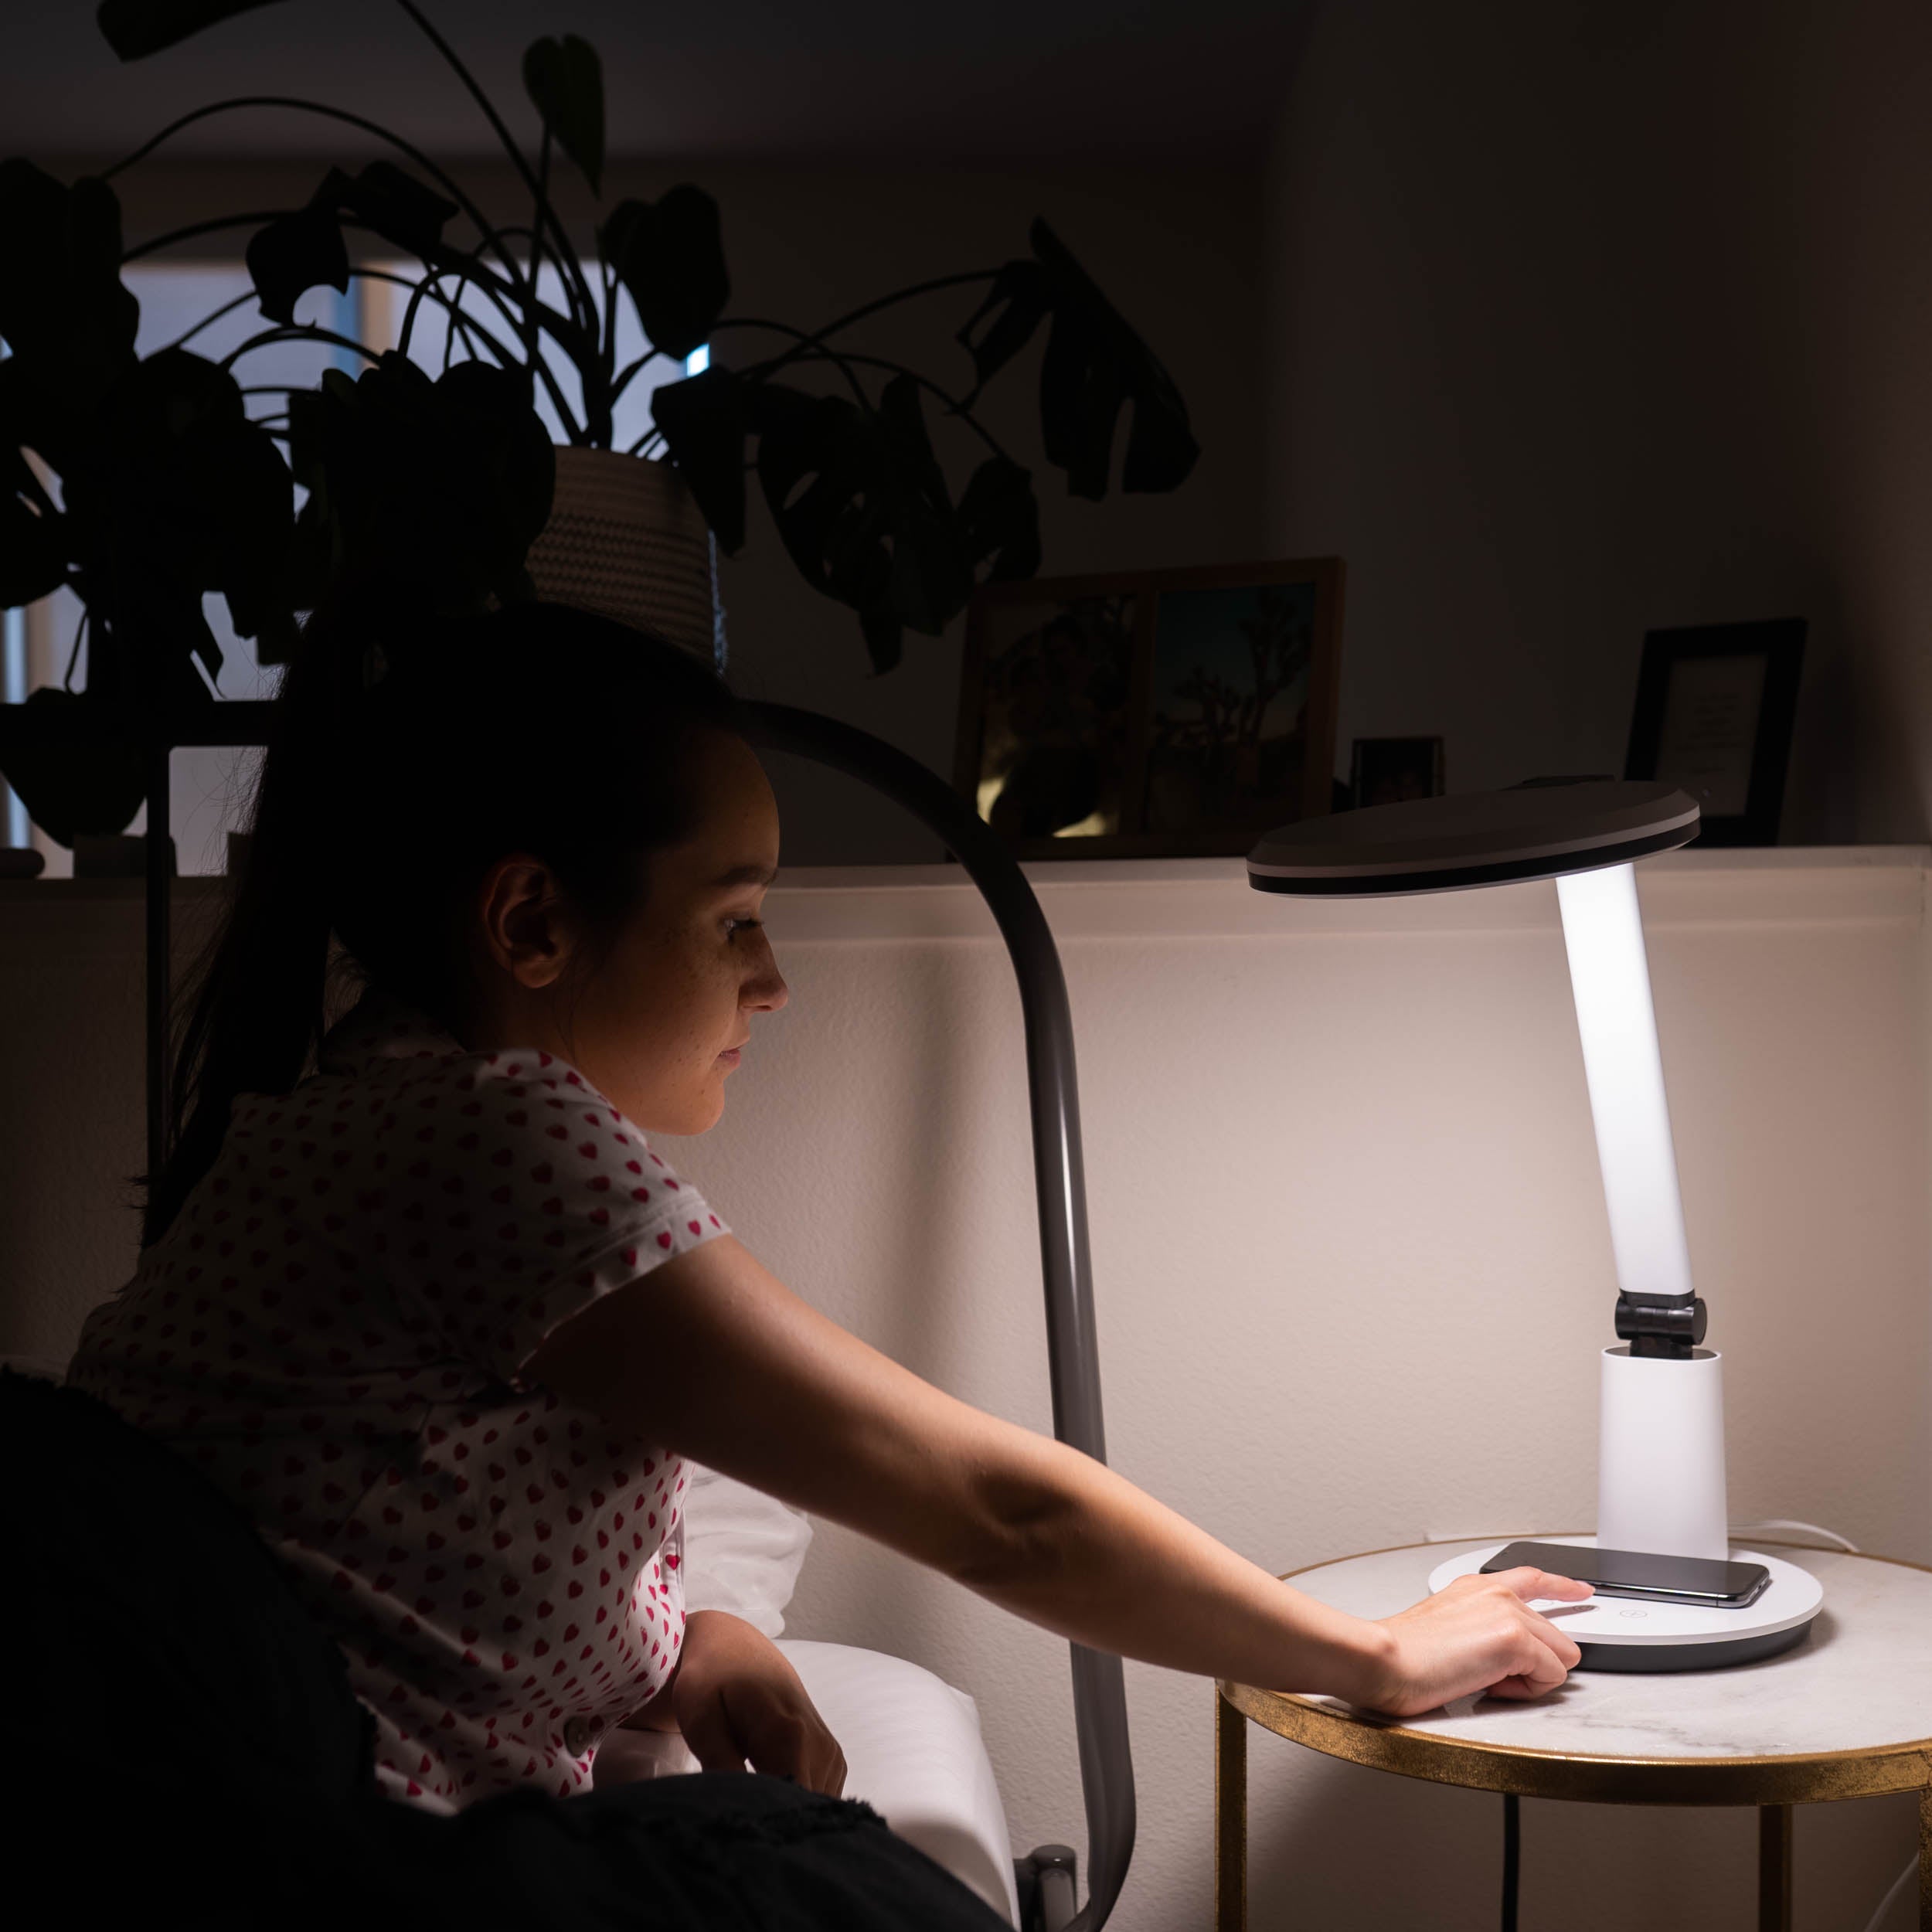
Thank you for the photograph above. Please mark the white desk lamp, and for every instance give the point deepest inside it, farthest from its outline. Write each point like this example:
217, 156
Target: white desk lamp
1660, 1474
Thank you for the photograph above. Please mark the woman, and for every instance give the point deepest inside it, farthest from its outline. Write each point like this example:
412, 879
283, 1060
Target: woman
416, 1292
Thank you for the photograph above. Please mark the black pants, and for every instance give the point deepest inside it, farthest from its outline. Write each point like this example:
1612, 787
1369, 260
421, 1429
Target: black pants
713, 1852
179, 1746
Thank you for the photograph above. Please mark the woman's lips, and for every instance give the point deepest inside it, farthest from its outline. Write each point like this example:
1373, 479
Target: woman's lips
729, 1055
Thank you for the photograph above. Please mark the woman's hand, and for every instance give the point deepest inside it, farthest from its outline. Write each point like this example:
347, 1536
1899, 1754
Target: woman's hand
1478, 1633
735, 1698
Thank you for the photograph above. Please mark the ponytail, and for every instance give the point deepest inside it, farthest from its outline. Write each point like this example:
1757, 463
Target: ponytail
407, 753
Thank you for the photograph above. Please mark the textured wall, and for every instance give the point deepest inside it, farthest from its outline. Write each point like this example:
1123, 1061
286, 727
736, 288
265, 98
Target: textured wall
1586, 318
1351, 1262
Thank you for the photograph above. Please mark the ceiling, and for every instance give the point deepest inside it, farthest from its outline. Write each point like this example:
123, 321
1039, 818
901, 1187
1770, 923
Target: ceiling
1003, 80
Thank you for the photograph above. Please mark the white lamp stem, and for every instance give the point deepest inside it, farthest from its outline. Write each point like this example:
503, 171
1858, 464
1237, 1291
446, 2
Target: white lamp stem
1660, 1472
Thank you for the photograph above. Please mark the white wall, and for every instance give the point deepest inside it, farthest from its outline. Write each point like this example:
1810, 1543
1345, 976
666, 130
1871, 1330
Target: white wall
1585, 319
1352, 1269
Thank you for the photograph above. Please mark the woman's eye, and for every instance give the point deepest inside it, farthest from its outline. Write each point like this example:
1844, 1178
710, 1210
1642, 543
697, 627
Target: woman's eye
735, 924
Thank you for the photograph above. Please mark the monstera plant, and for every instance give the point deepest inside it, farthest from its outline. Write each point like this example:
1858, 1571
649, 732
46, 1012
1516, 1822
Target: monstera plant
166, 489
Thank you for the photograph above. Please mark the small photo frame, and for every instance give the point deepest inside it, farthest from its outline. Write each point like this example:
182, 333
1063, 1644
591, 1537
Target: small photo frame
1385, 771
1715, 707
1151, 713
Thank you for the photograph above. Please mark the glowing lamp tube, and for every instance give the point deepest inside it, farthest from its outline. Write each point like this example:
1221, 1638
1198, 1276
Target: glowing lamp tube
1660, 1473
1609, 975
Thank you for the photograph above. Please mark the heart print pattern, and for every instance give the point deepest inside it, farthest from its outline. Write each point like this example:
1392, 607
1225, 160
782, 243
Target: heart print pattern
335, 1329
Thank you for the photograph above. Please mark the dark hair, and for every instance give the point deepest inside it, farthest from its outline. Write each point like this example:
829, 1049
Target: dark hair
407, 755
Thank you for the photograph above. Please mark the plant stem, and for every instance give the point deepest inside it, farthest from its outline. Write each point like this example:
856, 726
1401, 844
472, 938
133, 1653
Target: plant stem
857, 315
807, 346
199, 228
622, 381
214, 315
953, 405
578, 343
331, 113
299, 331
536, 249
73, 656
450, 260
450, 334
566, 253
472, 329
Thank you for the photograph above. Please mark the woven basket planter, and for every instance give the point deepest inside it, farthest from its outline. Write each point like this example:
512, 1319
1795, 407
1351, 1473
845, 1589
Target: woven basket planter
625, 539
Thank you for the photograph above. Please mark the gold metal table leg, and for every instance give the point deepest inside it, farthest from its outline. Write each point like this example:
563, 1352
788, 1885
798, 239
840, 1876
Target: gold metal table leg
1925, 1859
1231, 1818
1774, 1867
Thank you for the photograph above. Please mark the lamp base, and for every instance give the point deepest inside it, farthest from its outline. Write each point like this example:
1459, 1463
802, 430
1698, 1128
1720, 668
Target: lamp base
1626, 1634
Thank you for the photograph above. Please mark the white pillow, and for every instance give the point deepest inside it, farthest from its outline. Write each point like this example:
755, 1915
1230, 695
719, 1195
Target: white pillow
742, 1549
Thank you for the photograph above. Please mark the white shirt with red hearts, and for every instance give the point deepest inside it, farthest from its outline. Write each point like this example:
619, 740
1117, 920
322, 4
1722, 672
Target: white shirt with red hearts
335, 1329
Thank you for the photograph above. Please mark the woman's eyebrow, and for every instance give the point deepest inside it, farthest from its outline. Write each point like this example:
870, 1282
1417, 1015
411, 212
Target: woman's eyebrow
746, 874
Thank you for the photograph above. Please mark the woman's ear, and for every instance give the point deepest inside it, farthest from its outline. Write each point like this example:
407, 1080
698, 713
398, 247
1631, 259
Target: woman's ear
529, 930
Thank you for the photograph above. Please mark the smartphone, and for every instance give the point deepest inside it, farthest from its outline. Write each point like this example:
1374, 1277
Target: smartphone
1700, 1580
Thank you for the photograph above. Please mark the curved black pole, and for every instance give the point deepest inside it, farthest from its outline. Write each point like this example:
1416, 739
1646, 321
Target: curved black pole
1060, 1180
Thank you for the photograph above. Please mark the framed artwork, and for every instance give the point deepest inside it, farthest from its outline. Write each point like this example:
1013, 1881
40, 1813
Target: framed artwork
1715, 707
1385, 771
1151, 713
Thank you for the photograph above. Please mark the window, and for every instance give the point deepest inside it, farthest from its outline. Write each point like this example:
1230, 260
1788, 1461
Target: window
209, 788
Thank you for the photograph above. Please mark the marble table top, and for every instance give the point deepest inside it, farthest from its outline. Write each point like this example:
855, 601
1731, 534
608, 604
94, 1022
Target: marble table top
1861, 1681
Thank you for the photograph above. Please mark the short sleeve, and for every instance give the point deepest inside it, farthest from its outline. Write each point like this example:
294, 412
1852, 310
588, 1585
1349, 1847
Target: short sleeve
535, 1197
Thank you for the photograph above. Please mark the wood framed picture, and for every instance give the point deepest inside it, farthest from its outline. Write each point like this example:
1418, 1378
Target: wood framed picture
1715, 707
1151, 713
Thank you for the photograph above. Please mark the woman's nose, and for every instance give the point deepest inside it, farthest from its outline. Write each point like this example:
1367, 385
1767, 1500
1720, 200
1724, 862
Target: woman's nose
768, 993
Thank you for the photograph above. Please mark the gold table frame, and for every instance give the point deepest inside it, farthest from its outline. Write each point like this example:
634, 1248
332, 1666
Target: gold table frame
1773, 1784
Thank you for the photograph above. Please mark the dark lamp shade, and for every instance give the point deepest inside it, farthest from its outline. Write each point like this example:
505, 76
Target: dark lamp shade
1477, 838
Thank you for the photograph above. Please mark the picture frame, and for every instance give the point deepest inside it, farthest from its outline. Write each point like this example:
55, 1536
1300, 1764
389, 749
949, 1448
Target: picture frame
1174, 714
1715, 703
1386, 771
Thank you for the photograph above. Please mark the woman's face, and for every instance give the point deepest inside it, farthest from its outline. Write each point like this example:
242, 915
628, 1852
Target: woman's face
649, 1021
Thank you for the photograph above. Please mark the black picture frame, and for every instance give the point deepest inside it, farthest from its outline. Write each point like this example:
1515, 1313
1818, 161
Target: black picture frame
1715, 706
1385, 771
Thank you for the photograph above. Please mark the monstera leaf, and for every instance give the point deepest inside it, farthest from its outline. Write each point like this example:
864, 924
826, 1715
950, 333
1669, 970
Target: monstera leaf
1094, 366
136, 28
858, 495
669, 255
305, 249
33, 542
174, 492
999, 520
447, 482
72, 779
293, 254
565, 82
861, 505
706, 420
68, 323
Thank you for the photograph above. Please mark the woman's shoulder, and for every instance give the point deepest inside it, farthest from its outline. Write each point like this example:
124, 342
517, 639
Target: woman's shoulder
426, 1111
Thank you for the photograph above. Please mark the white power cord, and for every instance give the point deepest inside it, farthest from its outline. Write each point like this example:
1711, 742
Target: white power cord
1893, 1897
1904, 1878
1785, 1522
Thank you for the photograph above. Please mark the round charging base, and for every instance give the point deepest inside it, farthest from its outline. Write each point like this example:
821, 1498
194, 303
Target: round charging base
1633, 1634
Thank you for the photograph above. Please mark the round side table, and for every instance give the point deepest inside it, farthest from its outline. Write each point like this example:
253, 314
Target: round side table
1847, 1714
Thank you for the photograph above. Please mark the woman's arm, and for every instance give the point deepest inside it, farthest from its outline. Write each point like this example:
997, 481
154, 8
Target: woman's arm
712, 1355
